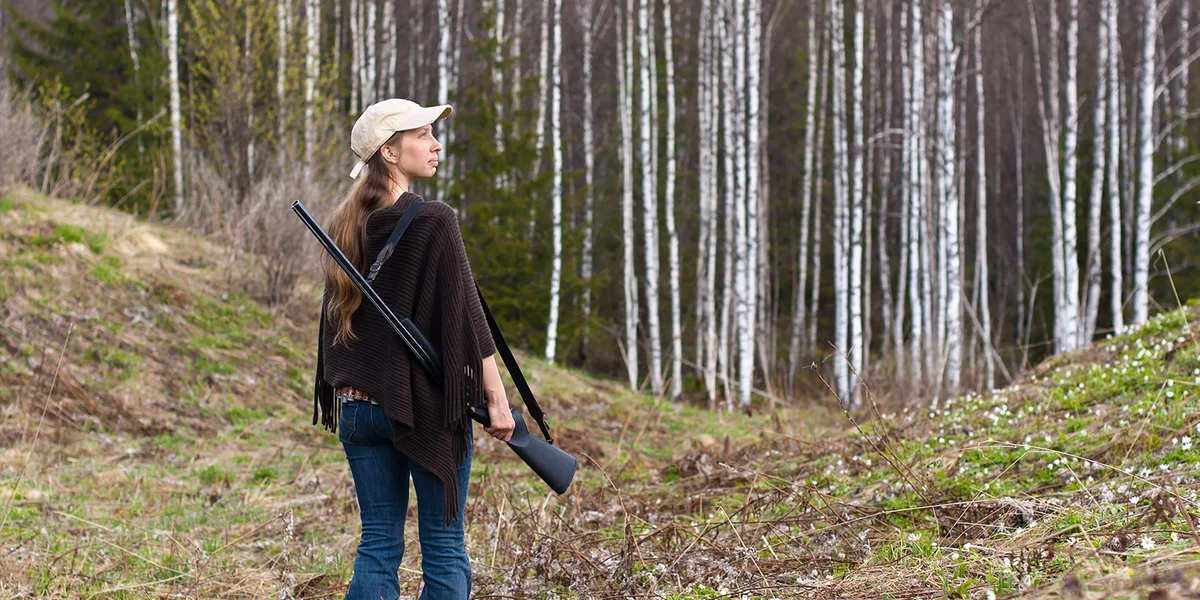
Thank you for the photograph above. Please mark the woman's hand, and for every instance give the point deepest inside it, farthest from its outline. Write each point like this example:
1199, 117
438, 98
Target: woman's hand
497, 400
501, 417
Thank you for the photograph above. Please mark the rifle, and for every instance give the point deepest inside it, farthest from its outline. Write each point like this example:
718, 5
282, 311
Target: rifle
551, 464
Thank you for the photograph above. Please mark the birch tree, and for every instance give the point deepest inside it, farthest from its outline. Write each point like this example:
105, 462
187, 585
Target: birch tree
1072, 326
556, 193
356, 95
1096, 194
857, 201
1113, 98
312, 72
173, 83
753, 23
625, 101
672, 234
649, 200
981, 228
133, 57
1145, 156
841, 201
948, 199
281, 15
589, 161
388, 60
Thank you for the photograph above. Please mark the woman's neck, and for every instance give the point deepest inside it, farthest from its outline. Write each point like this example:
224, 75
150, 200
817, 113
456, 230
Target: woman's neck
399, 183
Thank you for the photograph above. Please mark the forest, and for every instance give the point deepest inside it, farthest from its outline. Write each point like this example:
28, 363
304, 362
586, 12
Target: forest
716, 199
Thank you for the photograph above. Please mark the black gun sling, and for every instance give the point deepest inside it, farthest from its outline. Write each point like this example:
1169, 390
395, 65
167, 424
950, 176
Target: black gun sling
510, 361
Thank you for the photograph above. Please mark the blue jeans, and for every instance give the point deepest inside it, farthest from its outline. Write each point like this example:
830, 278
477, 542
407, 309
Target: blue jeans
381, 475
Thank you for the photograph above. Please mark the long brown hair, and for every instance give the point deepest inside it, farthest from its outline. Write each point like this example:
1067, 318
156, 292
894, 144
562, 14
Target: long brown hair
348, 228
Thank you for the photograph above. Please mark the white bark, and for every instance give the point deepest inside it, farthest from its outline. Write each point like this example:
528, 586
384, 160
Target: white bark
914, 106
543, 81
948, 199
672, 234
823, 73
1072, 328
1113, 97
707, 255
857, 201
981, 229
356, 81
585, 8
1096, 198
1145, 150
841, 202
445, 51
133, 56
312, 72
810, 111
754, 193
625, 93
371, 54
649, 200
173, 83
1181, 89
589, 165
729, 194
281, 14
703, 122
389, 48
556, 191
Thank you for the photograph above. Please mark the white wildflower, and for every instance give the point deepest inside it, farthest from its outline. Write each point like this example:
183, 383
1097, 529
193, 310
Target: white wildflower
1147, 543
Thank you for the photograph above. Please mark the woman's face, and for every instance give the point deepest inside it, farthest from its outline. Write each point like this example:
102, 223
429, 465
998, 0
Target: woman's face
416, 154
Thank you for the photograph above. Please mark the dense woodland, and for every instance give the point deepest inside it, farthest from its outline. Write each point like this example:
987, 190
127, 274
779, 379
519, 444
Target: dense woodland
730, 200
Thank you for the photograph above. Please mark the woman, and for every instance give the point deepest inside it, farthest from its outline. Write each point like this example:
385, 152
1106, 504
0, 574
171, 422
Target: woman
393, 419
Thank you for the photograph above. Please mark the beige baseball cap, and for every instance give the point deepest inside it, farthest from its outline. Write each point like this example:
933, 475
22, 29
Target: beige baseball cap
380, 120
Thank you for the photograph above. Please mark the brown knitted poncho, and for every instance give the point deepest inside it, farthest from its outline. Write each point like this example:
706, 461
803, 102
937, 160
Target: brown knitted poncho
427, 279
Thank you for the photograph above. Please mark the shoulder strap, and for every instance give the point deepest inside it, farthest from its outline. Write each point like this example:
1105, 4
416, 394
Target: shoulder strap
390, 246
514, 370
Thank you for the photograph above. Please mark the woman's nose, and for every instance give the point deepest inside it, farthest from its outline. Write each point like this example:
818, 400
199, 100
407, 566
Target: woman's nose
437, 146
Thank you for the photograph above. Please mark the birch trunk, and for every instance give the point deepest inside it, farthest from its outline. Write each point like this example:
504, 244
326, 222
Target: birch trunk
589, 165
857, 201
704, 234
981, 228
949, 200
1117, 292
137, 67
444, 51
173, 82
312, 72
389, 49
585, 8
710, 252
649, 201
281, 14
810, 111
672, 234
1145, 150
1072, 329
625, 93
841, 206
371, 54
556, 192
1096, 198
729, 194
754, 194
819, 169
356, 58
920, 292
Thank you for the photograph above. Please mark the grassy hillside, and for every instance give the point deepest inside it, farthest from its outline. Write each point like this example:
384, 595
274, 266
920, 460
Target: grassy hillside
155, 441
